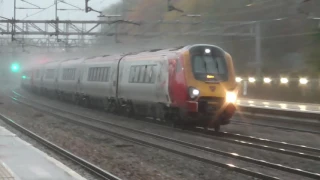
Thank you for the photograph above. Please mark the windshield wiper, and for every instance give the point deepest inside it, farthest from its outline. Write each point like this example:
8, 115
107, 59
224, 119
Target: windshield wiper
217, 65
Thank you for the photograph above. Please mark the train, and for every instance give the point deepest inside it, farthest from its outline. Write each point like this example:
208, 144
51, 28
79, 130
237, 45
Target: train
190, 85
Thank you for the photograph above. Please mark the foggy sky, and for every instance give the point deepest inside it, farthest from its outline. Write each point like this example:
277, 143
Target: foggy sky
6, 9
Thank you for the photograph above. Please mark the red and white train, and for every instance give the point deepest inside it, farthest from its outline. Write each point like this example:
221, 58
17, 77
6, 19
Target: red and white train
191, 85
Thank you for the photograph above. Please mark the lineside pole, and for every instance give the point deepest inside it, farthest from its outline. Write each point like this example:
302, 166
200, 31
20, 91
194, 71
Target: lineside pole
258, 49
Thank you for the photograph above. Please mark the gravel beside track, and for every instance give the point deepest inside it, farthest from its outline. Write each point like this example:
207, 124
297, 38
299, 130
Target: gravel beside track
274, 157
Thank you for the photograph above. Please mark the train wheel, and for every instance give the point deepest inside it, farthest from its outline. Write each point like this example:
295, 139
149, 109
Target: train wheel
85, 102
112, 106
129, 109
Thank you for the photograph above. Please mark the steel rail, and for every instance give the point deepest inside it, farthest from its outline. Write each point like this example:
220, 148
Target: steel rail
272, 126
207, 149
83, 163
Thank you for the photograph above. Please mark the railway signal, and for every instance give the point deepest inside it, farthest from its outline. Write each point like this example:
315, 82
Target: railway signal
15, 67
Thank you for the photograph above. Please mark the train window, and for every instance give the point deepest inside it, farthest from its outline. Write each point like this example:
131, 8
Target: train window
37, 73
153, 74
132, 73
89, 74
147, 76
95, 74
142, 72
107, 74
92, 74
136, 75
49, 74
103, 74
99, 74
73, 74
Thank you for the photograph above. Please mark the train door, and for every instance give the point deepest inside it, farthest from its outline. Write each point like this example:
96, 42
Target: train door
79, 77
162, 81
177, 85
112, 78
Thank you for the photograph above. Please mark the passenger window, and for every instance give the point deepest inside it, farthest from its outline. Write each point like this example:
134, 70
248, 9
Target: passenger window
74, 74
103, 74
106, 74
153, 74
136, 75
147, 76
95, 71
141, 75
99, 74
132, 73
90, 74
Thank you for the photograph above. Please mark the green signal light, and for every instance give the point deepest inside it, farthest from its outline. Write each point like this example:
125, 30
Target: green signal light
15, 67
24, 77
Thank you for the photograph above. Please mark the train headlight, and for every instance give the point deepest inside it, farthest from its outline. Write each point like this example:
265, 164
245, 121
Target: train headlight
231, 97
193, 92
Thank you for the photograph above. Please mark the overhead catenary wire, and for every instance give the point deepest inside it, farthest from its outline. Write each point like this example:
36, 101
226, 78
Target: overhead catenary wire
39, 11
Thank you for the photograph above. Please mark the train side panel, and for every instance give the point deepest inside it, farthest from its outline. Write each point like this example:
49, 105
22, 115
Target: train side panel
68, 78
98, 78
50, 76
144, 79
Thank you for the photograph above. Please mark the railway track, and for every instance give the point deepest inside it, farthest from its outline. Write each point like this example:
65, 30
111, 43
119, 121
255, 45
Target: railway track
273, 126
250, 141
96, 124
94, 170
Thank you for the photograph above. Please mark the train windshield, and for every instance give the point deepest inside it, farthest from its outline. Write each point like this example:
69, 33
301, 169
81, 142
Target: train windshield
209, 67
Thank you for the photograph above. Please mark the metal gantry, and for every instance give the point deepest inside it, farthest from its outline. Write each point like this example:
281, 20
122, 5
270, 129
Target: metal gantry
55, 27
67, 28
48, 42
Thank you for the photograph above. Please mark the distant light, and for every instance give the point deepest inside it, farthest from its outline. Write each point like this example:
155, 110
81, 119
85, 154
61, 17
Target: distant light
238, 79
24, 77
303, 81
267, 80
284, 80
252, 79
15, 67
249, 5
207, 51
